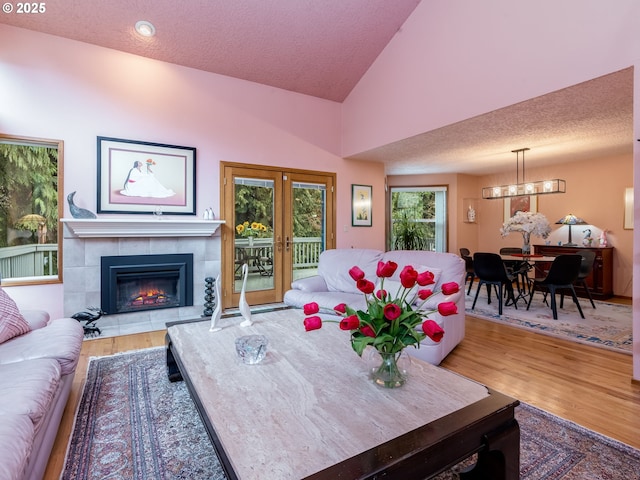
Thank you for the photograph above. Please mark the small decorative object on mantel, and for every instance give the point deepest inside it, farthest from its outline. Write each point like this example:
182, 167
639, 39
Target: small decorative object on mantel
208, 214
391, 321
77, 212
527, 224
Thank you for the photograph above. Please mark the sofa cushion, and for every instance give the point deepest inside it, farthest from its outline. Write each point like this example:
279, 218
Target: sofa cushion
12, 323
35, 318
60, 340
29, 387
325, 300
334, 266
16, 442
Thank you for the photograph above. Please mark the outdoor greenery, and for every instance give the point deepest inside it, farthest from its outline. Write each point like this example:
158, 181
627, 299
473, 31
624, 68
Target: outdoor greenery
28, 194
408, 211
254, 204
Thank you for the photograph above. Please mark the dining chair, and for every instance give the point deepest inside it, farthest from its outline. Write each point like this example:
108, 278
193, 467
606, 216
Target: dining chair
468, 263
518, 268
563, 273
490, 270
586, 266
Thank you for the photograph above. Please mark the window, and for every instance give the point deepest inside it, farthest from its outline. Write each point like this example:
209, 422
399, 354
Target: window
30, 207
418, 218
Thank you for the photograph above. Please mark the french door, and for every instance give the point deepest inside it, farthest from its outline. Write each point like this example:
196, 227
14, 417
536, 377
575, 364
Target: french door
277, 223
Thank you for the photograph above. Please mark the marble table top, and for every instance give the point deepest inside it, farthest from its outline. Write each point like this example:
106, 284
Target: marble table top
310, 403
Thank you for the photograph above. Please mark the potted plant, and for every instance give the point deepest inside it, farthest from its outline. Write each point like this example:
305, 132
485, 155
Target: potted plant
408, 234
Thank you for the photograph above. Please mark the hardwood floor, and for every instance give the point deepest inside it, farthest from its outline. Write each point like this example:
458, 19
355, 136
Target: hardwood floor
587, 385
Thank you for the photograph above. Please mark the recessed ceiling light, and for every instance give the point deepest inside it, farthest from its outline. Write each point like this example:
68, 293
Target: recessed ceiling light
146, 29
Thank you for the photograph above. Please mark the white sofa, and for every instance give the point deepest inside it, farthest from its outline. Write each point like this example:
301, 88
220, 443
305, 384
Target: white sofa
333, 285
36, 374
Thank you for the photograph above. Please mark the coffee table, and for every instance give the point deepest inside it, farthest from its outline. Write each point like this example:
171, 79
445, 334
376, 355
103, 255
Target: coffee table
309, 410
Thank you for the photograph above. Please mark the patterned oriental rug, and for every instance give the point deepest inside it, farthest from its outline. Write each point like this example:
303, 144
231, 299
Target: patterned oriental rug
132, 423
609, 325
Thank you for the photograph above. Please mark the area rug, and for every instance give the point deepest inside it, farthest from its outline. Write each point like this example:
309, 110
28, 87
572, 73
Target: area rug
609, 325
132, 423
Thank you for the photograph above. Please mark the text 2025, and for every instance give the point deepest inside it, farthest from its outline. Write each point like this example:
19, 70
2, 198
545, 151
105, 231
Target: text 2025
31, 7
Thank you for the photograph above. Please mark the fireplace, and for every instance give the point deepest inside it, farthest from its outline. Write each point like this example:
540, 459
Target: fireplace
134, 283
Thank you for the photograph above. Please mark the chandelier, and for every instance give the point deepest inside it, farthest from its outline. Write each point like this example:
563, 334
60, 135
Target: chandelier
539, 187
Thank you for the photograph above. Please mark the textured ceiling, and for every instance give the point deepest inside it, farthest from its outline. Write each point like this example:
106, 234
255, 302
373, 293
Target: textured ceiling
590, 120
316, 47
323, 47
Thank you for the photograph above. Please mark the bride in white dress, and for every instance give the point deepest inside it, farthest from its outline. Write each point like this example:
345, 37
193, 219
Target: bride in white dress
141, 183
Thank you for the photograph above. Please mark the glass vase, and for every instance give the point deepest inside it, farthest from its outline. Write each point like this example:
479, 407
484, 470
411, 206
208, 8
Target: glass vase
391, 369
526, 246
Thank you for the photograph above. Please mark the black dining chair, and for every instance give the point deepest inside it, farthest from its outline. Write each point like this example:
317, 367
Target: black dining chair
468, 263
518, 268
586, 267
563, 273
490, 270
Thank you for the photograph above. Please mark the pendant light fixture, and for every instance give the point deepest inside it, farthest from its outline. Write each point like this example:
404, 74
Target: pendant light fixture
539, 187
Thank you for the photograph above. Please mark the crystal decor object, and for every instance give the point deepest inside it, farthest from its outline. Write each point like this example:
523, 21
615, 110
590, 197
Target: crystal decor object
251, 349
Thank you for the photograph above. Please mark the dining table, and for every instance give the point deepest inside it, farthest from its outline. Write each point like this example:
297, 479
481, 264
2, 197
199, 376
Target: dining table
527, 265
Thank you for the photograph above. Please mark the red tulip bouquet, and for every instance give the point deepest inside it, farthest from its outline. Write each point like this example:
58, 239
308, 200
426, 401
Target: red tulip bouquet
392, 320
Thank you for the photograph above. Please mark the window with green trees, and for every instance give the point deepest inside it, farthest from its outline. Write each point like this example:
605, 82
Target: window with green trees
418, 218
29, 209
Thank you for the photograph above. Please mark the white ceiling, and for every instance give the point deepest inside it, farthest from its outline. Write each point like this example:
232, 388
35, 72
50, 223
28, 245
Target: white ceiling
322, 48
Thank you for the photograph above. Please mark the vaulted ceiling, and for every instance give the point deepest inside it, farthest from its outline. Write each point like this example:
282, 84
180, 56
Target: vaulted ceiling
322, 48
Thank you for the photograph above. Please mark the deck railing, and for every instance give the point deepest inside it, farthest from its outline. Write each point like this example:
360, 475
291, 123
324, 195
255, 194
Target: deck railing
306, 250
29, 260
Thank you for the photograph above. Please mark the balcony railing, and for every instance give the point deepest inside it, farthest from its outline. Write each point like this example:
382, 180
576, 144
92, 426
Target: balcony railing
306, 250
34, 260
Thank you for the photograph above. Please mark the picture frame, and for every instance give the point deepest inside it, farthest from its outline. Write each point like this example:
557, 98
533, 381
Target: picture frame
361, 205
527, 203
145, 177
628, 208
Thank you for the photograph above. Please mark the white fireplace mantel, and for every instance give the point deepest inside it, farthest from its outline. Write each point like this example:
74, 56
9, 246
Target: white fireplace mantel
132, 227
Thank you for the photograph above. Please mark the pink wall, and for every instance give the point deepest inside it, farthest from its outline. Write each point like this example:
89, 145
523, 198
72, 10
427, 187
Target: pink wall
62, 89
455, 59
591, 194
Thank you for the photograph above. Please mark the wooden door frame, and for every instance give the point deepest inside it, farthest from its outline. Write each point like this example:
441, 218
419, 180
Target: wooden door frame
282, 269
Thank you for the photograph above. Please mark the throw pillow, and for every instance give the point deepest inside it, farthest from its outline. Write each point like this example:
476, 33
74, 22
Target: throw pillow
12, 323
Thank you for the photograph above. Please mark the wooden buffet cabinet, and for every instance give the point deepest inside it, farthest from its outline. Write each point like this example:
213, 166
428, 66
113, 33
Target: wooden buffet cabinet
600, 281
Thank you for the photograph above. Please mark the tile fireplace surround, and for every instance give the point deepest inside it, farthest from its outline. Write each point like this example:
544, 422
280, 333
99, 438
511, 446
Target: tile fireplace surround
87, 240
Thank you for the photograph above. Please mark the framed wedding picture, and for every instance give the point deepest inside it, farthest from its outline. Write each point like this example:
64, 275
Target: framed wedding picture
361, 205
144, 177
524, 203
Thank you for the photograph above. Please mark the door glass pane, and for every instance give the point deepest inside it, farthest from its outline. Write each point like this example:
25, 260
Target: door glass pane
309, 227
418, 218
253, 242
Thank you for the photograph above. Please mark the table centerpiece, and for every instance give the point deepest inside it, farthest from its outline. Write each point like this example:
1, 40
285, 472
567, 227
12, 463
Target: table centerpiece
391, 321
527, 224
